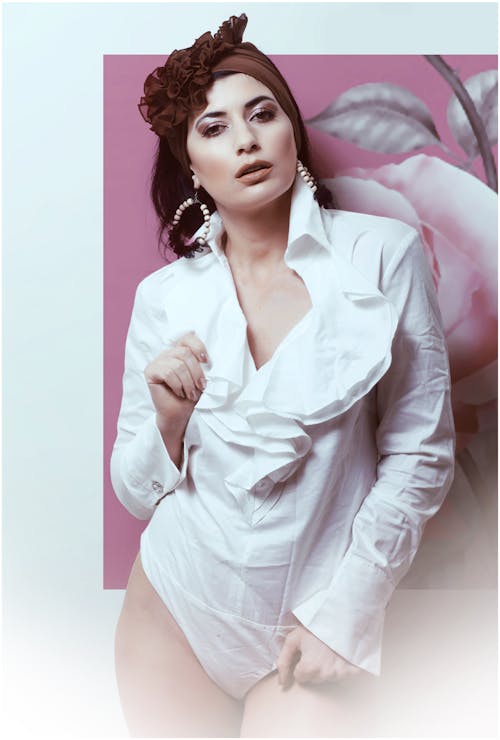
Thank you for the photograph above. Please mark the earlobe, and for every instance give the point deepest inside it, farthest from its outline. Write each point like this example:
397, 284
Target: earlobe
196, 182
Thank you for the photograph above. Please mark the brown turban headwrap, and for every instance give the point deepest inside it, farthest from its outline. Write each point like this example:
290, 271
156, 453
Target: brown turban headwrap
176, 90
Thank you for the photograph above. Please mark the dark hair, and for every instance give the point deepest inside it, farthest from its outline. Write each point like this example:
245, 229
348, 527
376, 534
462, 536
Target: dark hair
170, 186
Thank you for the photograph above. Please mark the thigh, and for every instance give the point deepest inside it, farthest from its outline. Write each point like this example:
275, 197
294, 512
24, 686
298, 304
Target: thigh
163, 688
342, 709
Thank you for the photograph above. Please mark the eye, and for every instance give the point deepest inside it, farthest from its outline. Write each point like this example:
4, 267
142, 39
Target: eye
212, 130
264, 114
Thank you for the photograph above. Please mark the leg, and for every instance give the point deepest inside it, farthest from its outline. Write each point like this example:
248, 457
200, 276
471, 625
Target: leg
163, 688
343, 709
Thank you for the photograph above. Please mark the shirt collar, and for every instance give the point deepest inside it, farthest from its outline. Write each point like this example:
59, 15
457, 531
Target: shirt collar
305, 222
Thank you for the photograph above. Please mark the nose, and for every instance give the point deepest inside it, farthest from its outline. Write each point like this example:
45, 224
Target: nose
245, 138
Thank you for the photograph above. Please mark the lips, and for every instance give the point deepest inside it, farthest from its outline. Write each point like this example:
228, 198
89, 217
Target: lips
253, 167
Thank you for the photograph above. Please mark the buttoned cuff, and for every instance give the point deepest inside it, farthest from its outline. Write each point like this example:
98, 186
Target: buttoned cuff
147, 471
349, 615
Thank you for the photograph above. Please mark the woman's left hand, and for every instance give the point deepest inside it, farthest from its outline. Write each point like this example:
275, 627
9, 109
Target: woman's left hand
307, 659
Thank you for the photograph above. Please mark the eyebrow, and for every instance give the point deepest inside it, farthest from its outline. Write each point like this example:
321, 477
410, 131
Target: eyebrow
215, 113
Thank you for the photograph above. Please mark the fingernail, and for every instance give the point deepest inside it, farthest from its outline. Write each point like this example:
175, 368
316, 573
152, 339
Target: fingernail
203, 383
203, 357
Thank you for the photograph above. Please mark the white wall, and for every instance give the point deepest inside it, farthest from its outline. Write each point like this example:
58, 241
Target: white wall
58, 621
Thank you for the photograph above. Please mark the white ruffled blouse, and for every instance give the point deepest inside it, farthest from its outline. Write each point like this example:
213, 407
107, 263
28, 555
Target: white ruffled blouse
305, 484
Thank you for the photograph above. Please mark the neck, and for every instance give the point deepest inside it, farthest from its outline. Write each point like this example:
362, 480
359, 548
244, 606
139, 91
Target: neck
257, 241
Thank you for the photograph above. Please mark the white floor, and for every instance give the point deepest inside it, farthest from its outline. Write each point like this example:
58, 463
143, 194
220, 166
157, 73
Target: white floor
440, 644
439, 674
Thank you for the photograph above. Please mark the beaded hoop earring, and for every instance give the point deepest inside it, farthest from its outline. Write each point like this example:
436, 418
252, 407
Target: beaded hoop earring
204, 209
306, 176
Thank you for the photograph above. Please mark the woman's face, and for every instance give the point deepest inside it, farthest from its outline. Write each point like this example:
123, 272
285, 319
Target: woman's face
242, 124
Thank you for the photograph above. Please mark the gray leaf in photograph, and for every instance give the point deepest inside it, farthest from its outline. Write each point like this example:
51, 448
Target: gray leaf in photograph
483, 90
379, 117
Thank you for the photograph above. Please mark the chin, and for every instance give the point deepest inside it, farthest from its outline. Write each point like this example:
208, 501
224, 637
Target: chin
260, 197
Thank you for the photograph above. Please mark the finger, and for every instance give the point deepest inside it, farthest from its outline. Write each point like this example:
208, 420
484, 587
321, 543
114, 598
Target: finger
353, 670
318, 676
168, 377
174, 382
191, 391
287, 659
172, 373
305, 673
196, 379
189, 371
157, 373
332, 676
192, 340
338, 673
198, 355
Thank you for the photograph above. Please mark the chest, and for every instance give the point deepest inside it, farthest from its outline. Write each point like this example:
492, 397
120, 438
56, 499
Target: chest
271, 310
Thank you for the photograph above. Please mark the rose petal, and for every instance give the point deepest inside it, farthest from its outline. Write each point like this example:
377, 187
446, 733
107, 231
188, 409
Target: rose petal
456, 217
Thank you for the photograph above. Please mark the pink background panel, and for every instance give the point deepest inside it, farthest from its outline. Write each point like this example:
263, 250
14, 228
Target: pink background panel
130, 243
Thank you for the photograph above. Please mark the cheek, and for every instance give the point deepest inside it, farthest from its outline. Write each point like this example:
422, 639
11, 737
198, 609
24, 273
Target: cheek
284, 142
215, 164
208, 162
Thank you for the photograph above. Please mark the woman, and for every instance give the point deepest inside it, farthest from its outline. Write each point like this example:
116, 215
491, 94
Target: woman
285, 422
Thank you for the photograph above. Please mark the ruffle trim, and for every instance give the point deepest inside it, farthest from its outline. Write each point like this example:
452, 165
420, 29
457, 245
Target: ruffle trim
331, 359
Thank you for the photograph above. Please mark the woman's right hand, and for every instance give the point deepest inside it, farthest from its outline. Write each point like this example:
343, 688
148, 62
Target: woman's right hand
176, 379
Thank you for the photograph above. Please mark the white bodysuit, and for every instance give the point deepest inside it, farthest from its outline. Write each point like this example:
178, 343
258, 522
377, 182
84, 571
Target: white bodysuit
305, 484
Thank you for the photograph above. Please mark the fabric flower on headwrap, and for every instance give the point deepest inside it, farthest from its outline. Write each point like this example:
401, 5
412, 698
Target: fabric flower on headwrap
173, 91
179, 88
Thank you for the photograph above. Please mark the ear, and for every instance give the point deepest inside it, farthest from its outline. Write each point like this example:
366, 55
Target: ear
196, 182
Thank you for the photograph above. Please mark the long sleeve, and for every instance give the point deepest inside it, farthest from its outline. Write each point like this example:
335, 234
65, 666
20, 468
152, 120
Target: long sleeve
415, 442
142, 471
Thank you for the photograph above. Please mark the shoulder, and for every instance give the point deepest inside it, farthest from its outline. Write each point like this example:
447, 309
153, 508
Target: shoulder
369, 242
175, 294
179, 274
347, 228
